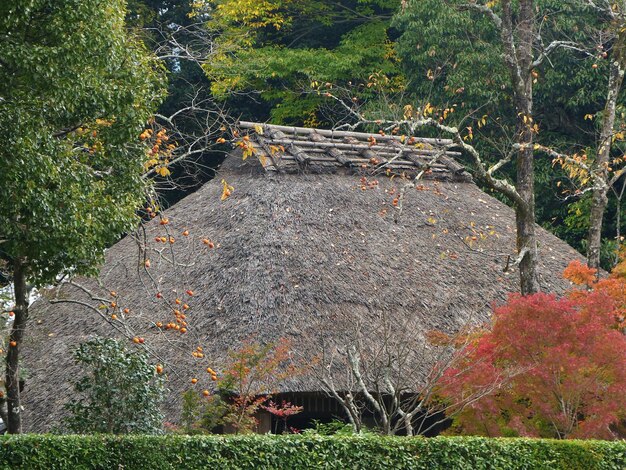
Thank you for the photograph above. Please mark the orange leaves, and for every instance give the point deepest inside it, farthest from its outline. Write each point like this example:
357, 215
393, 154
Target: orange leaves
226, 190
160, 152
274, 149
163, 171
580, 274
247, 147
145, 134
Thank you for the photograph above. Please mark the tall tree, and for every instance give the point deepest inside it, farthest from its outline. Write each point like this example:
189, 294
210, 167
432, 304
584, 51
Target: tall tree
616, 30
75, 92
517, 45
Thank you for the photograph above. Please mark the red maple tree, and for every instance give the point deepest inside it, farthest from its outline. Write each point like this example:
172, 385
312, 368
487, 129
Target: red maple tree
570, 358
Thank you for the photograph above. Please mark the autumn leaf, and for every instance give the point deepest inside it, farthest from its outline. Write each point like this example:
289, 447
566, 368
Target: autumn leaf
163, 171
226, 190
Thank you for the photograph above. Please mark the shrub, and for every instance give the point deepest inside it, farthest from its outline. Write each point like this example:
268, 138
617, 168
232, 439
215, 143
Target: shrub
121, 392
304, 452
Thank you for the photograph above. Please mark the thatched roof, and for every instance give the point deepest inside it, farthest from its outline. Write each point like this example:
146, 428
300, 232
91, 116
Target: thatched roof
311, 238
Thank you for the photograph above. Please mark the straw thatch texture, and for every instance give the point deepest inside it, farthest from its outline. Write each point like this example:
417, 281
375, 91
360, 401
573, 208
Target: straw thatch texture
295, 255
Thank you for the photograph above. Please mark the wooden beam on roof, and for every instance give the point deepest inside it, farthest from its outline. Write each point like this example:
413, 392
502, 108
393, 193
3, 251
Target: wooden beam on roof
332, 151
278, 137
369, 154
358, 147
338, 134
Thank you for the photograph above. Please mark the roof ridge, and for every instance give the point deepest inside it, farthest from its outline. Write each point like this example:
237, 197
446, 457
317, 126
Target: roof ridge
336, 133
296, 149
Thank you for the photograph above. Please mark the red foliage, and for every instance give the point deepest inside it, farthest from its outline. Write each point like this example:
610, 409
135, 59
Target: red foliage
252, 376
282, 410
565, 359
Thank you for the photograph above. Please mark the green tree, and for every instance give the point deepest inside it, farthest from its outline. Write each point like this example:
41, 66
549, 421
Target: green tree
75, 91
575, 75
121, 392
493, 60
275, 49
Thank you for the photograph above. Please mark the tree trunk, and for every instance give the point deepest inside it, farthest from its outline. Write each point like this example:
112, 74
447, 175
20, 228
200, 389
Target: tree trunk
519, 57
603, 153
525, 215
14, 412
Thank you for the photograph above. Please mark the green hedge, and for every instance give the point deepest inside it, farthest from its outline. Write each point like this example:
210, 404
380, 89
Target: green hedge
306, 452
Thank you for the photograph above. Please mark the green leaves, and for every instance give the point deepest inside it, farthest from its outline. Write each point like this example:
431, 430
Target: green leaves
120, 394
75, 91
304, 452
337, 43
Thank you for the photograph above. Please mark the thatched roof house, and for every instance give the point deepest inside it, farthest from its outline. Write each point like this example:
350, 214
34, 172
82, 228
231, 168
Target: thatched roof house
322, 227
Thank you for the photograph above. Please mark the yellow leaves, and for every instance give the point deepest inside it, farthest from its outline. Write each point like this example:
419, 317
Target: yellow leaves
428, 109
250, 14
248, 150
576, 167
408, 111
588, 117
226, 190
150, 163
482, 121
470, 134
431, 221
258, 129
618, 136
274, 149
104, 122
447, 111
163, 171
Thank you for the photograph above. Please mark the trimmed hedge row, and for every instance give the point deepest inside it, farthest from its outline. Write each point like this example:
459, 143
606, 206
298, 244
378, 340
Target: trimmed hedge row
304, 452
